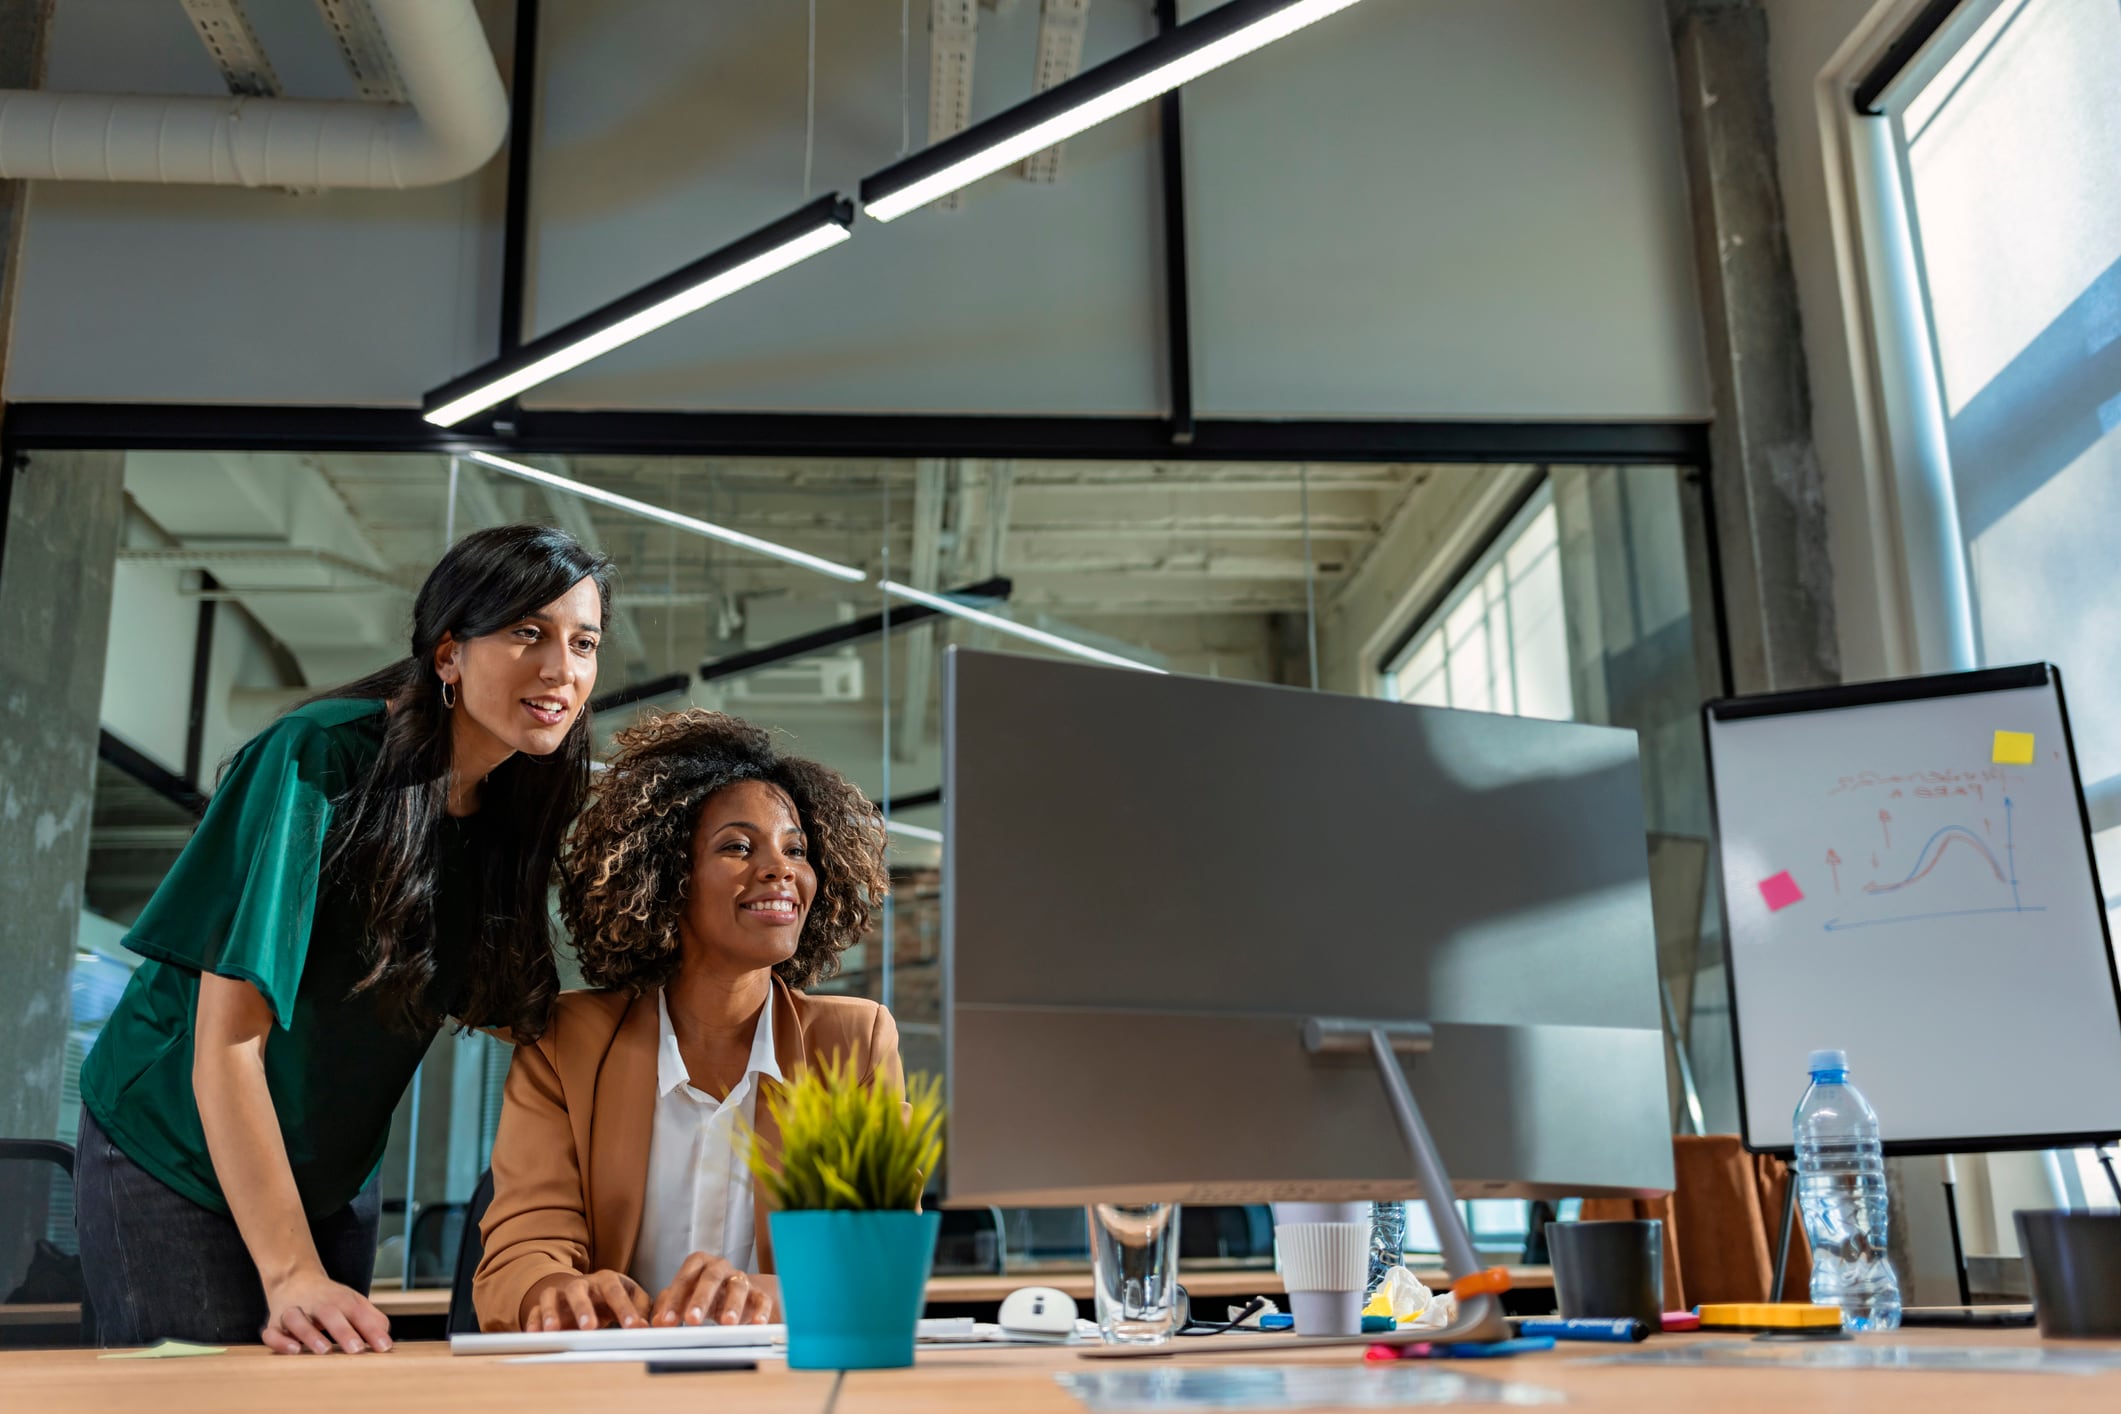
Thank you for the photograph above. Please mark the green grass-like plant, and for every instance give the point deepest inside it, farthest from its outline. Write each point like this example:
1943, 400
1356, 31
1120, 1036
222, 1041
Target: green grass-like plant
849, 1145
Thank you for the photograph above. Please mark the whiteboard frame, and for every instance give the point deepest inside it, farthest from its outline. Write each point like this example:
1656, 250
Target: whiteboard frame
1867, 694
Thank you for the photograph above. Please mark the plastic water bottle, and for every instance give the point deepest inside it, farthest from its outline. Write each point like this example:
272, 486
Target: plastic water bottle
1841, 1192
1388, 1243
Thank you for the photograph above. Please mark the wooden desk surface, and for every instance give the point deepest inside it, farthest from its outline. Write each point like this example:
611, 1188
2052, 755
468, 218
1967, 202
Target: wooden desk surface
424, 1379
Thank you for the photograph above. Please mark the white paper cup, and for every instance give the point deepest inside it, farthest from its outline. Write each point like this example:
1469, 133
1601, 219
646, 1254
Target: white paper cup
1323, 1266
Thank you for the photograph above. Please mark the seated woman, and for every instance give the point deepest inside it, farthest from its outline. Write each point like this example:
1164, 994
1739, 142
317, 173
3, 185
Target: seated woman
708, 881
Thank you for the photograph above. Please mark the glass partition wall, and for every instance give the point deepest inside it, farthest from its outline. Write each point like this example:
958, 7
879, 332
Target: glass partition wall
255, 579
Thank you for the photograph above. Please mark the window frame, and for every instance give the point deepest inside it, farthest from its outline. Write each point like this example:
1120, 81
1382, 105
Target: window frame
1488, 552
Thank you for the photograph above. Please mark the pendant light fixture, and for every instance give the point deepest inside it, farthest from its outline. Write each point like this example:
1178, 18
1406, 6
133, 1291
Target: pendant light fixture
1227, 32
818, 227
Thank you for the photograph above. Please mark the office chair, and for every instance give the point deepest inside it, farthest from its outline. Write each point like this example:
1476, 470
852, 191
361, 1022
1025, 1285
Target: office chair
463, 1316
53, 1274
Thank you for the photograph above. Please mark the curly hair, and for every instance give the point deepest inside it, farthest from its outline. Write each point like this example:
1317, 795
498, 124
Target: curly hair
624, 870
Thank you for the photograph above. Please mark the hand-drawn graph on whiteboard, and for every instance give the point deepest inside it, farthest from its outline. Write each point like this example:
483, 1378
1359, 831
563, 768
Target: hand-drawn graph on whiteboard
1966, 867
1908, 876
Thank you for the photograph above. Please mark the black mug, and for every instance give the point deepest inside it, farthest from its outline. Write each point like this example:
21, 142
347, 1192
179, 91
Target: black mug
2074, 1260
1609, 1270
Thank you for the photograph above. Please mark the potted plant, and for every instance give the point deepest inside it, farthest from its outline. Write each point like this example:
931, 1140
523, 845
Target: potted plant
851, 1245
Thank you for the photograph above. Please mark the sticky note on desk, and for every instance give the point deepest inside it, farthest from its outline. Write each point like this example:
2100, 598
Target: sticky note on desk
1780, 891
2013, 749
166, 1350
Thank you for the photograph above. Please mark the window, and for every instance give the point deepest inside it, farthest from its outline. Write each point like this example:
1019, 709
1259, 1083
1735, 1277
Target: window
2010, 151
2009, 148
1500, 641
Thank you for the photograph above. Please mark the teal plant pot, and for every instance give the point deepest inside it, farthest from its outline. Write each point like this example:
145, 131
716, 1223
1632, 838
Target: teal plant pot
852, 1285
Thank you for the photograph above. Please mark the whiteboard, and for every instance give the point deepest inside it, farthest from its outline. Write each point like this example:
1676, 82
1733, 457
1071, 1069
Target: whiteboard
1907, 875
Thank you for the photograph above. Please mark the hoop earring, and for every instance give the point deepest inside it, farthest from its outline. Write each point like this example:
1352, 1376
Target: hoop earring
449, 695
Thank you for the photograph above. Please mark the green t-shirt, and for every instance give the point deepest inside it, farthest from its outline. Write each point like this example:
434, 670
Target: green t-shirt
247, 899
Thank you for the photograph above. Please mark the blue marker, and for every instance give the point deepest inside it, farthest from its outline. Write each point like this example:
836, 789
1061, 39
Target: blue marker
1583, 1328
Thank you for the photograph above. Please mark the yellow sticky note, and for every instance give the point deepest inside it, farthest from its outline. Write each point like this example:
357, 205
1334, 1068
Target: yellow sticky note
2013, 749
167, 1350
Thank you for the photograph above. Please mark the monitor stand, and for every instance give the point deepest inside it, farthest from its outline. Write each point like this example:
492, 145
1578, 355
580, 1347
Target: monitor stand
1480, 1316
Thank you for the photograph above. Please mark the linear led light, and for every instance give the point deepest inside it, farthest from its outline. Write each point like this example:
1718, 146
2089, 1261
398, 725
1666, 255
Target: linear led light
641, 508
914, 832
1002, 625
1229, 31
821, 225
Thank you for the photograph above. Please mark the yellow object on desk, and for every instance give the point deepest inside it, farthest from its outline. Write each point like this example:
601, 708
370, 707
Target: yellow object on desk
1769, 1316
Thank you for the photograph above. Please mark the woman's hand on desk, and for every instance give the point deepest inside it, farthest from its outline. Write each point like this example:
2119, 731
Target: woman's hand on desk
310, 1311
707, 1291
576, 1302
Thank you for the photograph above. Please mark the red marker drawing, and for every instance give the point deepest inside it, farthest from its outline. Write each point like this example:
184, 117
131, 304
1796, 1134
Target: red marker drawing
1885, 821
1833, 862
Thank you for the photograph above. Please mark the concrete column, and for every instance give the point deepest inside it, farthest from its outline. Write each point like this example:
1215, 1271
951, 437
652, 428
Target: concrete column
56, 571
1770, 507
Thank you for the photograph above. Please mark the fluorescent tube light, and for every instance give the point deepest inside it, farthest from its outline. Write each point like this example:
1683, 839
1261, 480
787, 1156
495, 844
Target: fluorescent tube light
1227, 32
914, 832
1008, 626
821, 225
641, 508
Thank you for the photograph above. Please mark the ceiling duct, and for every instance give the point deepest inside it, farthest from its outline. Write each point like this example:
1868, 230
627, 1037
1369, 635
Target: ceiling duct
454, 118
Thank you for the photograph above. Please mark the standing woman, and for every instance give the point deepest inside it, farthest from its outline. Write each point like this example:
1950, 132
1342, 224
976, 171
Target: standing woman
373, 862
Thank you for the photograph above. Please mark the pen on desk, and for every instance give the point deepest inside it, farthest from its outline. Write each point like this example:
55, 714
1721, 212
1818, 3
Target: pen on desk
1582, 1328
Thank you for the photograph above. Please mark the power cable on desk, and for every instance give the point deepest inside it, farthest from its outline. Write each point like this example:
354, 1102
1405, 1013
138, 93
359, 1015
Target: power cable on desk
1237, 1319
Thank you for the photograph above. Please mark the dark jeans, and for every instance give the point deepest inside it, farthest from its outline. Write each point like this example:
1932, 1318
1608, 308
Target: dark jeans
158, 1266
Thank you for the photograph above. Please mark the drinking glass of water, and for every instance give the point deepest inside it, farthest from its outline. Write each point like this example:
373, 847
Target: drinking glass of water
1134, 1266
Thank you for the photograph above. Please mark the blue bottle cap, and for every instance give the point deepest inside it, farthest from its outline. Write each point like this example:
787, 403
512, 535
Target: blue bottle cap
1827, 1060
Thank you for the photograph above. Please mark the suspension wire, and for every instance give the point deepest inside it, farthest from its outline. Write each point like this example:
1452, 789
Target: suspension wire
905, 77
810, 100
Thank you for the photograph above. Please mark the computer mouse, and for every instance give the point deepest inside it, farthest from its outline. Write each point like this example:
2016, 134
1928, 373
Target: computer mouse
1039, 1311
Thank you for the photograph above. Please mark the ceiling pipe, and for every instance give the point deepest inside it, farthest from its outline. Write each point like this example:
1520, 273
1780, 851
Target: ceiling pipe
454, 119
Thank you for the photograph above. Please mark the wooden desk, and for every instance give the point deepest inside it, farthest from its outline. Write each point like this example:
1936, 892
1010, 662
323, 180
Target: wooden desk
425, 1379
40, 1313
420, 1301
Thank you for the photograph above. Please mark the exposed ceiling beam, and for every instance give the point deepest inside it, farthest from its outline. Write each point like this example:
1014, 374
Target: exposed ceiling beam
1028, 557
211, 557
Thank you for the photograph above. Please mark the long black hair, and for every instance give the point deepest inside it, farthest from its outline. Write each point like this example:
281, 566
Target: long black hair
382, 846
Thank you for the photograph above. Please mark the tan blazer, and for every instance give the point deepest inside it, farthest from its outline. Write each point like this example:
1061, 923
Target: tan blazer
570, 1159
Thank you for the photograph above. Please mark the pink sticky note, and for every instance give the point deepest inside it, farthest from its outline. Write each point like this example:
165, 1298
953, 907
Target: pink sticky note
1780, 891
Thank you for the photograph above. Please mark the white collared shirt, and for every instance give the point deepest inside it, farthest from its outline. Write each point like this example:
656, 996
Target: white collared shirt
699, 1189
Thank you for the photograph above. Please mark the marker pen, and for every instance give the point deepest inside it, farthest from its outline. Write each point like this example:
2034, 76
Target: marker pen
1584, 1328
